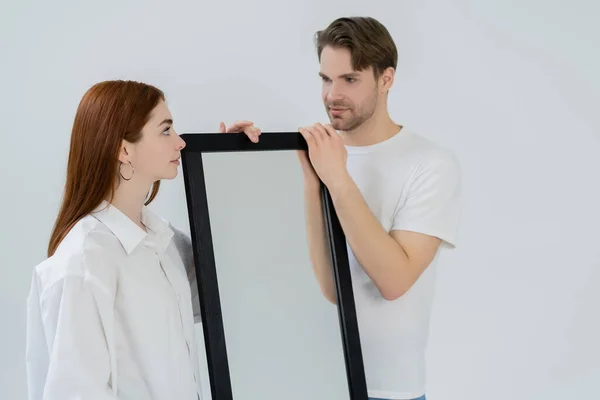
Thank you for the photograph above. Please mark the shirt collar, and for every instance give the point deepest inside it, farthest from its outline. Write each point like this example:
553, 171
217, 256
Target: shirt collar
129, 234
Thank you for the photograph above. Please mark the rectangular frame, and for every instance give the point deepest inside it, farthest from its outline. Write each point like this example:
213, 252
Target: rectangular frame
204, 258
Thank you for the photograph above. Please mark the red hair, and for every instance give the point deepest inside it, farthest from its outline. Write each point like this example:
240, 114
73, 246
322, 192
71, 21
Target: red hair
108, 113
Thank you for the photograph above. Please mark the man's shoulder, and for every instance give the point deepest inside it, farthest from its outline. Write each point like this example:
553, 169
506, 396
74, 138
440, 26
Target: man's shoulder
428, 147
429, 154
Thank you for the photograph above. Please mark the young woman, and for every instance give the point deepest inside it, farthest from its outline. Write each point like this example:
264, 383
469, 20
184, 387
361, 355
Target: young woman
110, 312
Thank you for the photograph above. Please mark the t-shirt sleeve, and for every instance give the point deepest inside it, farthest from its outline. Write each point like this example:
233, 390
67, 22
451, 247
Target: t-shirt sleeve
432, 204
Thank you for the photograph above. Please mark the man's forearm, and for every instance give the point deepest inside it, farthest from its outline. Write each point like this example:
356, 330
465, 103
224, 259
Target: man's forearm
381, 257
320, 256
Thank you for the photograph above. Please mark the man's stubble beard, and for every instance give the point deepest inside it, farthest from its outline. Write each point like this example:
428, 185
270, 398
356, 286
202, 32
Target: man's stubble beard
357, 117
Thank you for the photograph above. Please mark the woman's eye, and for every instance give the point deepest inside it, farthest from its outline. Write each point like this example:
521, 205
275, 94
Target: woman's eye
167, 130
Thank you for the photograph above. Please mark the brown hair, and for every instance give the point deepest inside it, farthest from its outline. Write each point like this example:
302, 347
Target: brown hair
369, 42
109, 112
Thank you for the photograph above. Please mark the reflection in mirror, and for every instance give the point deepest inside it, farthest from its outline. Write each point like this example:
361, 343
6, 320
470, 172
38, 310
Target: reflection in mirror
282, 336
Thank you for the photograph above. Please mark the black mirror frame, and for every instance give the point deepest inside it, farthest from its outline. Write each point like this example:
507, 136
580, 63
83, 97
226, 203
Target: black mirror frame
204, 260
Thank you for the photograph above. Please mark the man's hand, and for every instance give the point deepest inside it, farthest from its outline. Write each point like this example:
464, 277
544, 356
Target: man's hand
327, 154
247, 127
311, 179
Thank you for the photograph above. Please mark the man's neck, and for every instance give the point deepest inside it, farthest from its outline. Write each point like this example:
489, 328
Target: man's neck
376, 129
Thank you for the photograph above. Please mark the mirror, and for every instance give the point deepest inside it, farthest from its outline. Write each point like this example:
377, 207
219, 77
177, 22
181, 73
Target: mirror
281, 333
269, 332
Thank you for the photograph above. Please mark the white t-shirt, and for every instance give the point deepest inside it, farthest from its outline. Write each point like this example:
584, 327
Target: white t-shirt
409, 183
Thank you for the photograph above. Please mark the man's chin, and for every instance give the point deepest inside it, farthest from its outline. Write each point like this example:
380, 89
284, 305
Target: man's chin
341, 125
337, 123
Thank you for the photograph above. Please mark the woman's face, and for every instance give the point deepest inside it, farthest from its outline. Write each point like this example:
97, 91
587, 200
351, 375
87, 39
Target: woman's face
156, 155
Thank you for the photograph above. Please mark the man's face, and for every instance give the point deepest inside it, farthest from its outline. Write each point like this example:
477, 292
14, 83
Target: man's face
350, 96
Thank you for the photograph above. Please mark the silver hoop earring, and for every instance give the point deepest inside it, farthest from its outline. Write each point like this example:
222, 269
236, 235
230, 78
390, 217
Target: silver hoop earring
132, 171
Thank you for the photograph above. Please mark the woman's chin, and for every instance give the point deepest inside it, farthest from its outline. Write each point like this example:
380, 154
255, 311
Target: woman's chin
171, 176
168, 175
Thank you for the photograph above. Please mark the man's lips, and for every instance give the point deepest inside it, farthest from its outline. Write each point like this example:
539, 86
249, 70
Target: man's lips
337, 110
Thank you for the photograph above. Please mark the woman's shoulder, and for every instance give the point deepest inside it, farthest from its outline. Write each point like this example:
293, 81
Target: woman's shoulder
87, 252
89, 237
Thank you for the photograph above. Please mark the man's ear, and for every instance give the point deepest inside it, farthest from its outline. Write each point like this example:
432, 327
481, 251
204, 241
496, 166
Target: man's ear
387, 78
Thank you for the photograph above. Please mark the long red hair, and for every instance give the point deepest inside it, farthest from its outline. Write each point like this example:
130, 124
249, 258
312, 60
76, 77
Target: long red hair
109, 112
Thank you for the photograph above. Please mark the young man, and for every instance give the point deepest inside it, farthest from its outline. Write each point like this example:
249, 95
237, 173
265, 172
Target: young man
397, 196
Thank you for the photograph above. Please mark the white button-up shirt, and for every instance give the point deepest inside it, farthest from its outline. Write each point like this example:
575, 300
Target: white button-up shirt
111, 315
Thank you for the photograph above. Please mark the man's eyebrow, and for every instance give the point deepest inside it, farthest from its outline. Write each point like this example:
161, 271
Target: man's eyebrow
348, 75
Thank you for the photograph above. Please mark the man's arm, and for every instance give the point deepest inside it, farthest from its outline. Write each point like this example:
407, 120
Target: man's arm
318, 246
393, 261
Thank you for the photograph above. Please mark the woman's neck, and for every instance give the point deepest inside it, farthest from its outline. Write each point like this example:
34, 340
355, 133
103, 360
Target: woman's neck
129, 199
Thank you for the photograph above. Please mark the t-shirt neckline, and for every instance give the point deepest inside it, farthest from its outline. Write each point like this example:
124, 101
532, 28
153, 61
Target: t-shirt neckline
400, 135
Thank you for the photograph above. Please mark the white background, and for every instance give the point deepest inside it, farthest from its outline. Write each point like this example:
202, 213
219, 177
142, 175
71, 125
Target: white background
511, 86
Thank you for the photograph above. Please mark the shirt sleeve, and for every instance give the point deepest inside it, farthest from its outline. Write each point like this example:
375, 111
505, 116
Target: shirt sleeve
432, 205
183, 243
77, 317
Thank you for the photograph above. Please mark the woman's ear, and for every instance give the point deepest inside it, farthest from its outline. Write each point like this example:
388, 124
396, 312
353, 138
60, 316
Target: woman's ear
124, 155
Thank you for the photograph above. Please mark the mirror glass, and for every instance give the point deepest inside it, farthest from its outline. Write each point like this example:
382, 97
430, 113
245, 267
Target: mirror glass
282, 335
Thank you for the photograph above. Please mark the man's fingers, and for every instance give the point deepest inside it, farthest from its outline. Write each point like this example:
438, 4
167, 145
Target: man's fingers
318, 134
310, 139
252, 132
323, 133
238, 126
305, 134
331, 131
222, 128
318, 130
